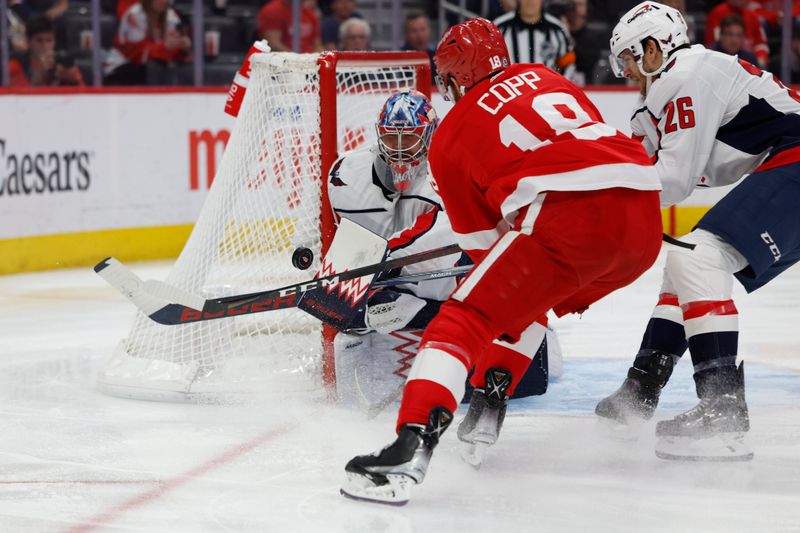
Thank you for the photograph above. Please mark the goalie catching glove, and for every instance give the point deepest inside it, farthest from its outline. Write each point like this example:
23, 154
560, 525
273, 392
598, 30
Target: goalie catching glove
388, 311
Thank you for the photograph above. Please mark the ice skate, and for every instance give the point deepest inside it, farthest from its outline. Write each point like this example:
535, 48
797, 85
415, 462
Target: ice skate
713, 430
387, 476
480, 428
637, 398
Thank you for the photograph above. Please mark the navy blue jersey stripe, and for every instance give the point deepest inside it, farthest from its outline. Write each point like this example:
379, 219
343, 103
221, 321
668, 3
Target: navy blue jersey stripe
759, 127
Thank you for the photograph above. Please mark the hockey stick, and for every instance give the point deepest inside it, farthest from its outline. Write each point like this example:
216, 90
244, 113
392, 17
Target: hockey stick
421, 276
169, 305
672, 240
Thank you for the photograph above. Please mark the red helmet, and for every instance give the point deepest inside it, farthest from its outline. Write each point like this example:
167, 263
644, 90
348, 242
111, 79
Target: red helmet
469, 52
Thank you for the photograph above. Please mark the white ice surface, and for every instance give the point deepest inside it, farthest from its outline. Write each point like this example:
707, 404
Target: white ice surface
73, 459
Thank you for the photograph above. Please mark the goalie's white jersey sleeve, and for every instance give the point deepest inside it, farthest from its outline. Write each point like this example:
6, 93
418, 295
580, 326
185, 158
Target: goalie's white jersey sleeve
413, 221
714, 119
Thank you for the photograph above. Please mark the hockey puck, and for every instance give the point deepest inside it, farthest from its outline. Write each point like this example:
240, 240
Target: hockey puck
302, 258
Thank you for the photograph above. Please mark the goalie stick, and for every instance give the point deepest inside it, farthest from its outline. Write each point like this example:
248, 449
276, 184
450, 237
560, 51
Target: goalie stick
169, 305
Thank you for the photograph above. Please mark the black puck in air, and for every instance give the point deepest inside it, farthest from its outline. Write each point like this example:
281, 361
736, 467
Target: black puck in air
302, 258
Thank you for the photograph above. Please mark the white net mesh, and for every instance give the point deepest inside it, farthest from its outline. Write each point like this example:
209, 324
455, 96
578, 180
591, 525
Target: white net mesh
265, 202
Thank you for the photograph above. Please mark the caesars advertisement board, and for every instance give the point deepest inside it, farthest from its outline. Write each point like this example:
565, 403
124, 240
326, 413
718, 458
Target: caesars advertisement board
73, 165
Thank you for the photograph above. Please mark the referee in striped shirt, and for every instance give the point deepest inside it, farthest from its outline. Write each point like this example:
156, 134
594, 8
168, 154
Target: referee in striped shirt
533, 36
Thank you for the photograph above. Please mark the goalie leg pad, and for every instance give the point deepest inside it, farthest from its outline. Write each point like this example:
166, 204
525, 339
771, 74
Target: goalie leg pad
371, 369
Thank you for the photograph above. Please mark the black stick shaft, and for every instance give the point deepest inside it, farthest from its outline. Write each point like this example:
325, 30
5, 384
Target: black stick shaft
298, 288
672, 240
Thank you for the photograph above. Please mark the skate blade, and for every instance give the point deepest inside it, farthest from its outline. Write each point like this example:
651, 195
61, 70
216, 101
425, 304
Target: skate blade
396, 492
721, 447
473, 453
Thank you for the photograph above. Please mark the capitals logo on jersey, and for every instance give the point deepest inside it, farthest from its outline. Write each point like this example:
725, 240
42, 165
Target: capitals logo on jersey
336, 181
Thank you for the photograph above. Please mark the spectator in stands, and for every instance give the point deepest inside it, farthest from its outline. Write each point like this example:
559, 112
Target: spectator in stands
324, 7
51, 9
275, 24
151, 39
731, 39
123, 6
354, 35
573, 15
341, 10
42, 66
417, 30
16, 34
755, 39
30, 9
533, 36
771, 12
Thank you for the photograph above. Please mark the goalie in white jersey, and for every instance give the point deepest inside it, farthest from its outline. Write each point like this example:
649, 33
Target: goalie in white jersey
708, 119
385, 189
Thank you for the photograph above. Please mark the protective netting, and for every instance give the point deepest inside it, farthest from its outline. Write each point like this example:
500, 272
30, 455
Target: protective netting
265, 202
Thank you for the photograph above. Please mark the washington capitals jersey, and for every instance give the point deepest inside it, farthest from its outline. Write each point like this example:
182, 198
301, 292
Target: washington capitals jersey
710, 118
413, 221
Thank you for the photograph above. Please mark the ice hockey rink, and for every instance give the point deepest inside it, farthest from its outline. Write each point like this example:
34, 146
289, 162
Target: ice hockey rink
75, 460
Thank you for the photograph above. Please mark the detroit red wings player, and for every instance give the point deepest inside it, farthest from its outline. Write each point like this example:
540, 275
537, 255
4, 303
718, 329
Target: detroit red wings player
556, 208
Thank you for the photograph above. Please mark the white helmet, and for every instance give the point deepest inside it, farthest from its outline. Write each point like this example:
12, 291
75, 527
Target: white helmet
648, 19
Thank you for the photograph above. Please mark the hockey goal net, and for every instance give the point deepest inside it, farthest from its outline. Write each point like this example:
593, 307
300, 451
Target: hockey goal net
267, 199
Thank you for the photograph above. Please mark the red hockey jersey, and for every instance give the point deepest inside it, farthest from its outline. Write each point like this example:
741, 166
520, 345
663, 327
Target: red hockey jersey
518, 134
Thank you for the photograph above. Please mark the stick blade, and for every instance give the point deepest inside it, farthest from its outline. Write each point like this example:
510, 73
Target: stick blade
153, 298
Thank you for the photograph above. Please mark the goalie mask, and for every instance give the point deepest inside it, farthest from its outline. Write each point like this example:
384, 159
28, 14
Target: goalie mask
665, 25
405, 126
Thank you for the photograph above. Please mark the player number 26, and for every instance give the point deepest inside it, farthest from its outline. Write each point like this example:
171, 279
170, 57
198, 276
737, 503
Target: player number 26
682, 107
562, 113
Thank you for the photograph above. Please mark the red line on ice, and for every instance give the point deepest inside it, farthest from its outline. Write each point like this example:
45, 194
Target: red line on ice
82, 482
112, 514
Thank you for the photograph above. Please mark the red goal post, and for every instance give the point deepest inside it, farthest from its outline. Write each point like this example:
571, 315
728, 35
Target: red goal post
330, 141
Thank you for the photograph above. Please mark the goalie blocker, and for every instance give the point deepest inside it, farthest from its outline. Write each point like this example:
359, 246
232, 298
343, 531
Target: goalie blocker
380, 329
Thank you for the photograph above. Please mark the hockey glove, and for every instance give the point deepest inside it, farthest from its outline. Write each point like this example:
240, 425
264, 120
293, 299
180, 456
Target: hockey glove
388, 311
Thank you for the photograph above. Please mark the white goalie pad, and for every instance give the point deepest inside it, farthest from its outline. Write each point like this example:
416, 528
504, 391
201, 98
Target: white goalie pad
372, 369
